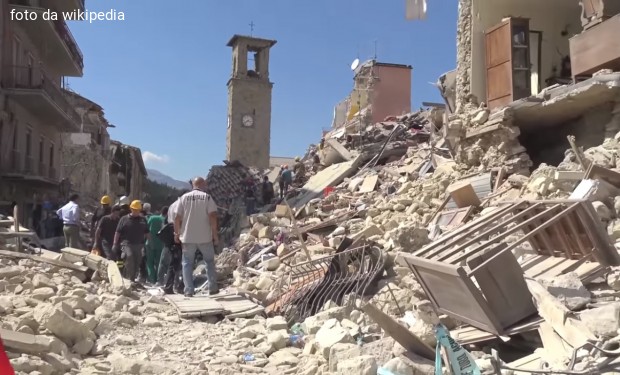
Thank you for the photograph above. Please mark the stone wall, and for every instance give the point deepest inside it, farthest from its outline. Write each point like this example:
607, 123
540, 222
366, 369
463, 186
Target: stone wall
86, 169
464, 55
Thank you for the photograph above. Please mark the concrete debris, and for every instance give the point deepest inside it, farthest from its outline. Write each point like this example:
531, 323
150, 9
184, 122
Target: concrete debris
388, 229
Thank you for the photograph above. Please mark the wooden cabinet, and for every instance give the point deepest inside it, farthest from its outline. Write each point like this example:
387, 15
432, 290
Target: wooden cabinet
508, 62
596, 48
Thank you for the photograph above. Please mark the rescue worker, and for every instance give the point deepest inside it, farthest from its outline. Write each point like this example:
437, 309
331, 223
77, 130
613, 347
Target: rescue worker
154, 246
70, 216
124, 203
146, 213
287, 178
195, 228
103, 210
281, 181
267, 190
104, 235
300, 170
169, 272
131, 233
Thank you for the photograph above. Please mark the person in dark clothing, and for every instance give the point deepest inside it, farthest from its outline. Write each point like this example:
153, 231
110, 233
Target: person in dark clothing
267, 190
37, 215
287, 178
100, 212
172, 283
250, 197
280, 180
146, 213
131, 233
104, 235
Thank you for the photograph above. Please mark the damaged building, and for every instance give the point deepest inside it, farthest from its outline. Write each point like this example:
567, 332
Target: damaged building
532, 66
127, 171
379, 90
34, 108
86, 155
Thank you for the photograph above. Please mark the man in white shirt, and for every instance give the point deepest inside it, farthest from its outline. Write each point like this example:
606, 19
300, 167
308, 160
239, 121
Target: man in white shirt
195, 227
70, 216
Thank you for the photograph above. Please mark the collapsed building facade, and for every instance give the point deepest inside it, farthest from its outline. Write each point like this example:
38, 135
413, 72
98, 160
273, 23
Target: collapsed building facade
86, 156
486, 220
34, 108
538, 79
127, 172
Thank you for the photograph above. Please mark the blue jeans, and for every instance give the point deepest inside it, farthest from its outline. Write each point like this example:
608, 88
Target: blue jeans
189, 254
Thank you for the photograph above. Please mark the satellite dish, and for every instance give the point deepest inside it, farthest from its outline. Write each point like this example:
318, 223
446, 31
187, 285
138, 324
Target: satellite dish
355, 64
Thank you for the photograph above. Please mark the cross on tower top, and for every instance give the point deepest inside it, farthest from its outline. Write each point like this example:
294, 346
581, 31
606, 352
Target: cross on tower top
252, 28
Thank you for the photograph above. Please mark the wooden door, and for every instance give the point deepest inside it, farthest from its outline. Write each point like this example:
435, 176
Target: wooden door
499, 65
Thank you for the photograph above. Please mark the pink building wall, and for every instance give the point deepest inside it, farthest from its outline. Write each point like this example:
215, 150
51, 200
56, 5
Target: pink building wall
391, 91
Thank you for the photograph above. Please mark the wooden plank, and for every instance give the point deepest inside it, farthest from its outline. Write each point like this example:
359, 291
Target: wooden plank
399, 333
524, 238
455, 235
450, 256
598, 172
558, 316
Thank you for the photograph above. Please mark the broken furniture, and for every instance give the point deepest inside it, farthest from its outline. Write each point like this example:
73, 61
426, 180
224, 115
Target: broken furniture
472, 275
309, 285
593, 12
508, 62
596, 48
463, 194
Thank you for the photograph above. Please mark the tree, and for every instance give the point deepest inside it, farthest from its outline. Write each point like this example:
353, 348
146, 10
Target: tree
159, 195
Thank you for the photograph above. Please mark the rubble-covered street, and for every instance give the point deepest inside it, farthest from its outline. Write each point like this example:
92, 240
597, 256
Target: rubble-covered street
479, 235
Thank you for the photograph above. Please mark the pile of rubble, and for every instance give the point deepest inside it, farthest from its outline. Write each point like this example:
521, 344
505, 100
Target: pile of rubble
395, 240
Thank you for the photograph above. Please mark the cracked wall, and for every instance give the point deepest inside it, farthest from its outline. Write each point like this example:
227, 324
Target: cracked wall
464, 54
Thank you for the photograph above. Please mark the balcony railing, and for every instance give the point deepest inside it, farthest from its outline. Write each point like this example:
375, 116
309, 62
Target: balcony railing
61, 29
67, 37
33, 78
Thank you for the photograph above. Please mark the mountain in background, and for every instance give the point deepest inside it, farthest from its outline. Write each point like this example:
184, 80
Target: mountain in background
157, 176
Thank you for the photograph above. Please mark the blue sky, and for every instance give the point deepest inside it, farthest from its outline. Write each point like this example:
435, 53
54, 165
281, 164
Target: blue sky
161, 74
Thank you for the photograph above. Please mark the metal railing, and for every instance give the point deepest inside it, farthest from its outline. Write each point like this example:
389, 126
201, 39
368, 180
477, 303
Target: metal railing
61, 29
28, 77
67, 37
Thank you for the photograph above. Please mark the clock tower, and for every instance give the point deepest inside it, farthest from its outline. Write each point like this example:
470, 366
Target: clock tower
249, 102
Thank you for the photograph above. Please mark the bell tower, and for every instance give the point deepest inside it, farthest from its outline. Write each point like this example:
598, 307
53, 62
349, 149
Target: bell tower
249, 102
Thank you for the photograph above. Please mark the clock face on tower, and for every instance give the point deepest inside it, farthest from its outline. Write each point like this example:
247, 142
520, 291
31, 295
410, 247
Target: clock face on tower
247, 121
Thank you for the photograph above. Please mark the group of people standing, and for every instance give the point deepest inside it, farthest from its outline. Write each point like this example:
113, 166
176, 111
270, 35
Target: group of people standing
156, 248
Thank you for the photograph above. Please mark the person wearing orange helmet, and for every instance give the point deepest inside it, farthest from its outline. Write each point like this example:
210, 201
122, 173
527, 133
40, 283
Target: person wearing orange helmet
100, 212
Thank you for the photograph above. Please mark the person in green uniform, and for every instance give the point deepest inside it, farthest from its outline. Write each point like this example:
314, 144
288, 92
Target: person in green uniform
154, 246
